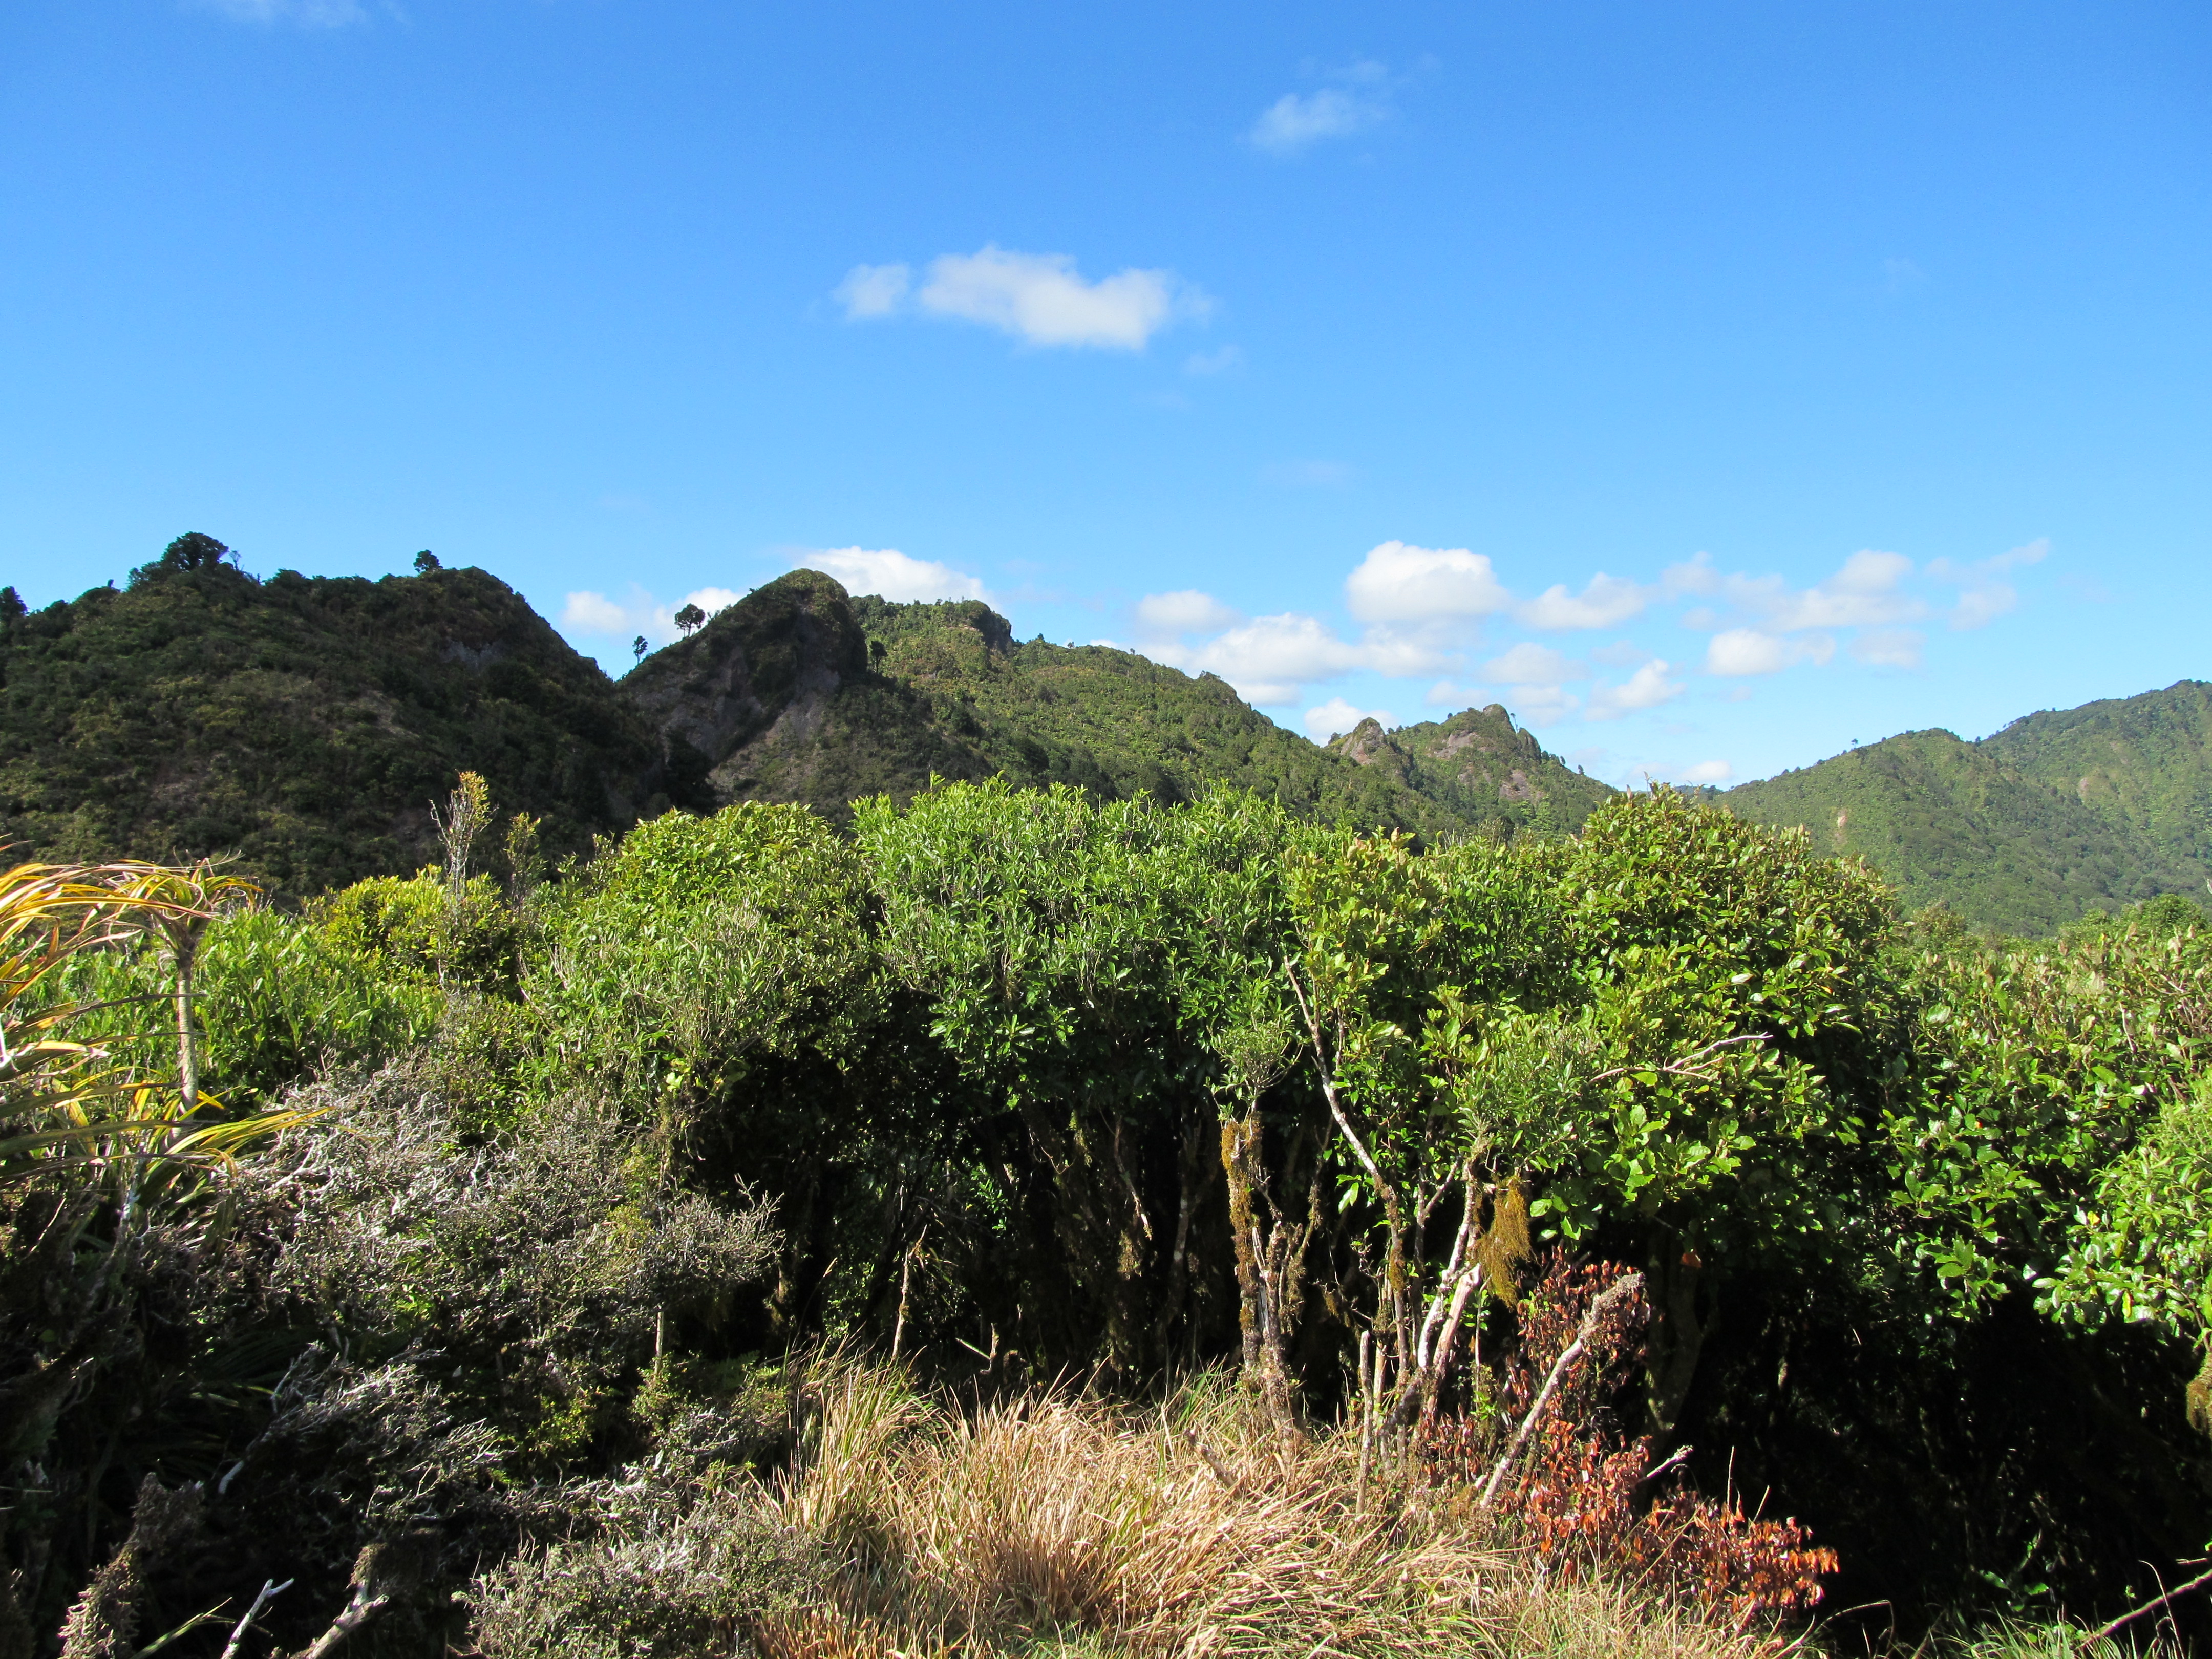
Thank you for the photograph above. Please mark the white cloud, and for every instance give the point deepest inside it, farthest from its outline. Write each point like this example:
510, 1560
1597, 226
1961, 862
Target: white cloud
1041, 299
1185, 611
1647, 687
593, 613
639, 612
1541, 705
1888, 648
1605, 602
1530, 664
1269, 659
1862, 594
892, 574
1711, 771
1983, 596
1336, 717
311, 13
873, 290
1695, 574
1213, 362
1743, 651
1292, 122
1396, 582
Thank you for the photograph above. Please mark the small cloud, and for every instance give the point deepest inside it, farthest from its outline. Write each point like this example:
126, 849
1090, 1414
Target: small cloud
1694, 575
593, 613
1203, 363
873, 290
1541, 705
1360, 98
1336, 717
1041, 299
639, 612
1269, 659
1308, 474
1984, 595
1529, 663
890, 575
1711, 771
308, 14
1864, 593
1888, 648
1606, 602
1744, 651
1899, 274
1399, 582
1186, 611
1647, 687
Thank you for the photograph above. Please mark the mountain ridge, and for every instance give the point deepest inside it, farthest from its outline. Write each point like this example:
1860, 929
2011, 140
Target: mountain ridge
305, 724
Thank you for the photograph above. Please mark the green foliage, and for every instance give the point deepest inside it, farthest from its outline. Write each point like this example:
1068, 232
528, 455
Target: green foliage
1046, 1080
699, 941
2141, 1247
2029, 1072
412, 928
279, 1002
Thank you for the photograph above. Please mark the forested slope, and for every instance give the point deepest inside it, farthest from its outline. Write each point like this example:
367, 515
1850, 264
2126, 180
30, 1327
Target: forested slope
2058, 814
304, 723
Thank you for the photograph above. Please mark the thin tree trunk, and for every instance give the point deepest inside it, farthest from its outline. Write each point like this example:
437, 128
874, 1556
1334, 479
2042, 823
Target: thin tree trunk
188, 1061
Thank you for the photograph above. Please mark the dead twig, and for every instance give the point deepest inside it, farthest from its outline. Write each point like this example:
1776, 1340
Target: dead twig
2151, 1605
270, 1590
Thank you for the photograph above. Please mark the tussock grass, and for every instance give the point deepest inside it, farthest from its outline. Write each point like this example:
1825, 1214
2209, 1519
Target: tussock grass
1050, 1524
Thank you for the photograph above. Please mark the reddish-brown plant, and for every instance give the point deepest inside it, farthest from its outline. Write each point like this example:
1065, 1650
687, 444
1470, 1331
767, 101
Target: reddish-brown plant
1583, 1492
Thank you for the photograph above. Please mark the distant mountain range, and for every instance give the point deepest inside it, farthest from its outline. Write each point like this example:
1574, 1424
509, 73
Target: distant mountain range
305, 723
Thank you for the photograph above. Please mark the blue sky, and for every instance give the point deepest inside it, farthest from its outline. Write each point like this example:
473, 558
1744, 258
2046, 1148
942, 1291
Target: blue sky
1715, 386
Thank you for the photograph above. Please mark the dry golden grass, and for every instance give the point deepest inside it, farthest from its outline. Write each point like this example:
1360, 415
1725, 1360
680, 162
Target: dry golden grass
1057, 1525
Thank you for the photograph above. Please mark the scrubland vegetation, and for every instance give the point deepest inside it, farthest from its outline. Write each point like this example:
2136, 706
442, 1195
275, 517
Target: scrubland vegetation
1026, 1224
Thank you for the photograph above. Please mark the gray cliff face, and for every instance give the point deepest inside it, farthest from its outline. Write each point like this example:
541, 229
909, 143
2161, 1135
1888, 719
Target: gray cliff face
760, 677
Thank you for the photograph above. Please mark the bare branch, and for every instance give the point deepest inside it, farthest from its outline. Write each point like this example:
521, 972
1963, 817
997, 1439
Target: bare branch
1619, 1291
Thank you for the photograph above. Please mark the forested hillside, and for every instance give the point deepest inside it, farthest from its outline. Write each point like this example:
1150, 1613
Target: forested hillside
2058, 814
304, 724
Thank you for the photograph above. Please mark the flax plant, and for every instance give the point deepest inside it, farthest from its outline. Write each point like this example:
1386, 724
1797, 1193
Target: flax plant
69, 1104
